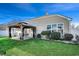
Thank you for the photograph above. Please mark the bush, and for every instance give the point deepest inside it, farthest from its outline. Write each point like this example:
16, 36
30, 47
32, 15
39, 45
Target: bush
47, 33
77, 37
38, 35
68, 37
55, 35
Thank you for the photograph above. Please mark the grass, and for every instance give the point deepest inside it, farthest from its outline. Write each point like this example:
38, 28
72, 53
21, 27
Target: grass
36, 47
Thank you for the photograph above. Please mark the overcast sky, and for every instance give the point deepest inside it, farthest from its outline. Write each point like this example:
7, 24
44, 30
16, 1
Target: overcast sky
26, 11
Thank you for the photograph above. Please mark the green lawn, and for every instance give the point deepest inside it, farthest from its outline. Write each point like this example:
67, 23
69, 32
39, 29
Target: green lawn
36, 47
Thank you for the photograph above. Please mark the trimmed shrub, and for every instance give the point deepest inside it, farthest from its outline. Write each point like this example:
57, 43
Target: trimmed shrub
47, 33
68, 37
55, 35
77, 37
38, 35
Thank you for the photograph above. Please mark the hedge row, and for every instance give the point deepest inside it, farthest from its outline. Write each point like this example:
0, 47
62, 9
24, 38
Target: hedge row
55, 35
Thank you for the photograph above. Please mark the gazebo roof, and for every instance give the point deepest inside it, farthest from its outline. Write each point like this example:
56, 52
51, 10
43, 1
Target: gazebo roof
21, 24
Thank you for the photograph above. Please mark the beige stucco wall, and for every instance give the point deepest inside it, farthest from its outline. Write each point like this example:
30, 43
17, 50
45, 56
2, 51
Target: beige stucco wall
45, 20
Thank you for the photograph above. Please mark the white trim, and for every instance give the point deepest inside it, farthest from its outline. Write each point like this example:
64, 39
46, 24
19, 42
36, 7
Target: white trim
66, 17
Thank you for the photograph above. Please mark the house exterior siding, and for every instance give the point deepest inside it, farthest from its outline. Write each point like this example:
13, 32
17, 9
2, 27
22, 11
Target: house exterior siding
46, 20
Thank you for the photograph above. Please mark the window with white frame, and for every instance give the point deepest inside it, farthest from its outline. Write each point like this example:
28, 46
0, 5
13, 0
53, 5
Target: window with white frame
60, 26
48, 27
60, 29
56, 27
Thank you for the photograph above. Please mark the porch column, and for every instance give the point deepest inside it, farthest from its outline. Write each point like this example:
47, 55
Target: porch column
10, 32
34, 32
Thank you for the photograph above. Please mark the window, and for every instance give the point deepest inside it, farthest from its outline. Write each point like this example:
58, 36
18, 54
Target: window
60, 29
60, 26
48, 27
54, 26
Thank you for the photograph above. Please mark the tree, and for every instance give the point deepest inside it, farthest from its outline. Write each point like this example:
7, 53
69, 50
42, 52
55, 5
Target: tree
77, 27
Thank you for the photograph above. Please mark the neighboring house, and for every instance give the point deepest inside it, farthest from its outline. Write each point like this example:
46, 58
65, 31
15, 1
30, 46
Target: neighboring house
3, 30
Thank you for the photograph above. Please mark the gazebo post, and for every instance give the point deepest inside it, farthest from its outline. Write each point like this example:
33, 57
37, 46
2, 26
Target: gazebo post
34, 32
22, 32
10, 32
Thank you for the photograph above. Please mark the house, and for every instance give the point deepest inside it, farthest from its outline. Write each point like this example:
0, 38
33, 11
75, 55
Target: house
53, 22
35, 26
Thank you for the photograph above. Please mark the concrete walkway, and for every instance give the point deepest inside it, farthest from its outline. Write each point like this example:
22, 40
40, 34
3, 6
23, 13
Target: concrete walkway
69, 42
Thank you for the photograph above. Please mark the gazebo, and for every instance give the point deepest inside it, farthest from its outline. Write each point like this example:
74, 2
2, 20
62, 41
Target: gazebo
22, 26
